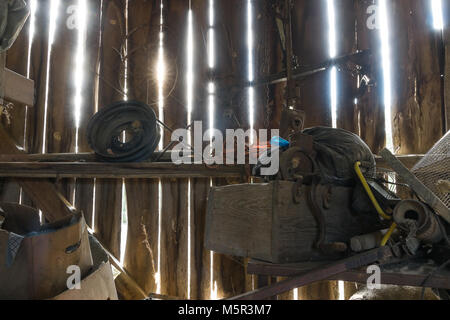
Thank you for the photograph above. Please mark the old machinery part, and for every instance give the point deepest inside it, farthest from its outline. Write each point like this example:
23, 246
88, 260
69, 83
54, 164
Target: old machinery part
336, 151
418, 186
318, 215
303, 141
384, 196
292, 121
125, 131
318, 197
295, 163
366, 241
414, 214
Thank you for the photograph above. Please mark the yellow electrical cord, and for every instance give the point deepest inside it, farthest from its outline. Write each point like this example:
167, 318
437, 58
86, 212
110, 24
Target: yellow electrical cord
388, 234
375, 203
369, 192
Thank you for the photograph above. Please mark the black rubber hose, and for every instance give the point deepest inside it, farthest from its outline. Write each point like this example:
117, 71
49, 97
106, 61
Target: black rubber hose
136, 119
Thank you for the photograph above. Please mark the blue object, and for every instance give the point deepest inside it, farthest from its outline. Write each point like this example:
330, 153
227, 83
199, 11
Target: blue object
278, 141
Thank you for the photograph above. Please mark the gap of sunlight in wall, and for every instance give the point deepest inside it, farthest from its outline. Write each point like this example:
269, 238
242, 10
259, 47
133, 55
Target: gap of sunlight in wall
124, 216
438, 18
211, 113
333, 86
332, 53
386, 61
80, 65
251, 73
54, 6
190, 92
161, 76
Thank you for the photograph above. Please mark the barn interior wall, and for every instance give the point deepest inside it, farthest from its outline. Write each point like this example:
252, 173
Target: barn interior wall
163, 247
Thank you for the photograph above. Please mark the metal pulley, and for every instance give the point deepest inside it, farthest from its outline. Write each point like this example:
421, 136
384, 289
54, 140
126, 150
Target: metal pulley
126, 131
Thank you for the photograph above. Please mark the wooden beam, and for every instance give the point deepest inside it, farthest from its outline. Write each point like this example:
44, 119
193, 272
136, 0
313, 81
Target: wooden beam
67, 157
18, 88
90, 158
409, 160
115, 170
414, 276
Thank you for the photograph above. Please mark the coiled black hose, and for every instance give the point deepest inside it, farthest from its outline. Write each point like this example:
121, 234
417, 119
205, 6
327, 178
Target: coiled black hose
134, 119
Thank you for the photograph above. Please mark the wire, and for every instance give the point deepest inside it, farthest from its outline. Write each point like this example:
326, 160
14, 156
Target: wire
375, 203
369, 192
388, 235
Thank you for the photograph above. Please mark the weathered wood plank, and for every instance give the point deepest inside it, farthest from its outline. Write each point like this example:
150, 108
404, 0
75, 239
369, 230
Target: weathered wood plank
108, 210
229, 274
84, 192
232, 63
417, 99
175, 202
116, 170
310, 45
18, 88
61, 91
347, 82
38, 72
108, 192
409, 160
141, 255
201, 258
370, 107
175, 30
61, 129
174, 238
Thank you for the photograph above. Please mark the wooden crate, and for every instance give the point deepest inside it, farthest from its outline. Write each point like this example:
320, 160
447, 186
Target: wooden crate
263, 222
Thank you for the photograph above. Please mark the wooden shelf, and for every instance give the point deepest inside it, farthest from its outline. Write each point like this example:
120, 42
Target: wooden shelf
116, 170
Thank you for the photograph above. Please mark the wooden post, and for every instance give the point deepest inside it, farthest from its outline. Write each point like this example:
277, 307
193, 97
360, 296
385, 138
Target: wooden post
84, 193
417, 99
200, 257
174, 219
108, 192
370, 107
141, 254
311, 47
